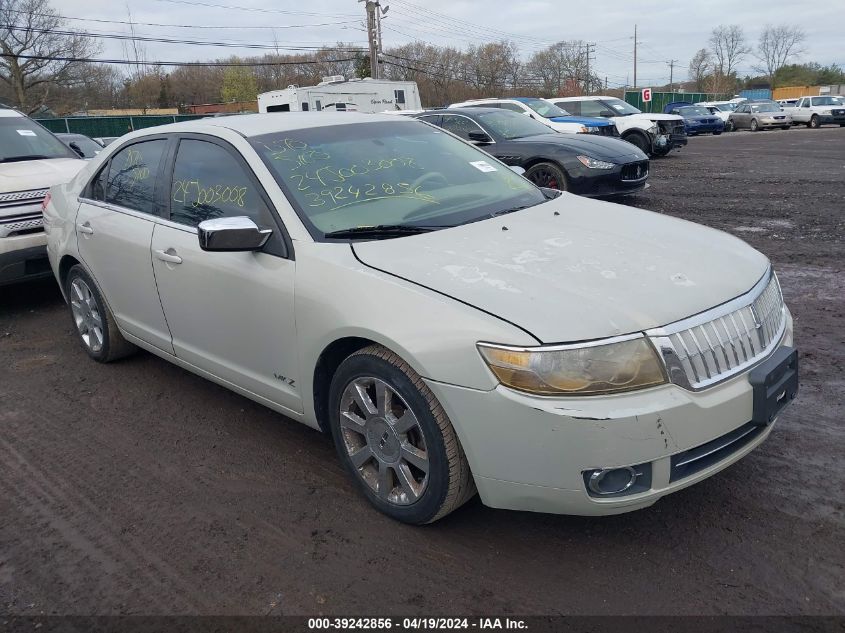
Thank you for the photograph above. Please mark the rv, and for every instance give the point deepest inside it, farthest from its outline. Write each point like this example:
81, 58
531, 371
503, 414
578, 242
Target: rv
338, 94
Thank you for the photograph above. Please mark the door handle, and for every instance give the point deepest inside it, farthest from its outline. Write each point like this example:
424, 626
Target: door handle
168, 256
85, 228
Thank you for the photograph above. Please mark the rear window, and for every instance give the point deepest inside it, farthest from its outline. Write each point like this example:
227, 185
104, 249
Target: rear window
23, 139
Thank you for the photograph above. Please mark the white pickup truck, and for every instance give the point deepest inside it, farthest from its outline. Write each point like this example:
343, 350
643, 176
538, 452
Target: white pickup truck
816, 111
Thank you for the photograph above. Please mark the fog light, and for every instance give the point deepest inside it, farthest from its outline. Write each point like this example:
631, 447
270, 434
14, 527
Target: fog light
612, 481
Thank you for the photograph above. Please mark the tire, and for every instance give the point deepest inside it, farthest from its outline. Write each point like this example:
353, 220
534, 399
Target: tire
716, 133
371, 438
640, 141
548, 175
785, 127
842, 125
754, 125
92, 319
729, 126
814, 122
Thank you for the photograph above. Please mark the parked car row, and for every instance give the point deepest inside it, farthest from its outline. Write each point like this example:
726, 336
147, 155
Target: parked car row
455, 328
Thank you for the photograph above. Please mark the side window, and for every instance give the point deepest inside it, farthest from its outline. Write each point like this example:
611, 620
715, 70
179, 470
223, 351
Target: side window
459, 126
513, 106
805, 103
399, 96
573, 107
592, 108
209, 183
132, 176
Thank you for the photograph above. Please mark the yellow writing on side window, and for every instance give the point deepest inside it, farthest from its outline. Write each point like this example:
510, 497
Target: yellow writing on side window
135, 165
193, 193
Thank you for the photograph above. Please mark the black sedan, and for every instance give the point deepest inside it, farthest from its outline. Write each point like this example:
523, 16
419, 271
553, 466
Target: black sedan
579, 163
84, 146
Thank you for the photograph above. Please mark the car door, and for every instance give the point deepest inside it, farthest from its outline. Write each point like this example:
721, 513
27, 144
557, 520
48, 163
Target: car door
117, 213
740, 117
230, 313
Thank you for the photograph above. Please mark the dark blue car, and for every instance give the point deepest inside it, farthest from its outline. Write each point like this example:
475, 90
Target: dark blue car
697, 119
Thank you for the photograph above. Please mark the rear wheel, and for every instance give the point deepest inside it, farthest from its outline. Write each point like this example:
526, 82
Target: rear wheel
547, 175
729, 126
95, 324
815, 122
395, 439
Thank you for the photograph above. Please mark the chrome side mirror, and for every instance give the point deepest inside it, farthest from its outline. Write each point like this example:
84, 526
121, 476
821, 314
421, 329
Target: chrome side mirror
231, 234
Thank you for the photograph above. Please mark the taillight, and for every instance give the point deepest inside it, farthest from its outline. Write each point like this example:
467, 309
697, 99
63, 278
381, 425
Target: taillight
45, 202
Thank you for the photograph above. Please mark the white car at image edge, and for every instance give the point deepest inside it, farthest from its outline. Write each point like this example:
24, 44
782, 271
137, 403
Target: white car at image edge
453, 327
31, 161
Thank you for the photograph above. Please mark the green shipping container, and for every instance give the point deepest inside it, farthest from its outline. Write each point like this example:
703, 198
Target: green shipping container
659, 100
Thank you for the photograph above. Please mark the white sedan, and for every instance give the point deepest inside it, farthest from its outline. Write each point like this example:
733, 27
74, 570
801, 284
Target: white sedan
452, 326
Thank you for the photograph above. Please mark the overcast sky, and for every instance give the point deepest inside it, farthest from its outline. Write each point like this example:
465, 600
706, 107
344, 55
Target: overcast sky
667, 29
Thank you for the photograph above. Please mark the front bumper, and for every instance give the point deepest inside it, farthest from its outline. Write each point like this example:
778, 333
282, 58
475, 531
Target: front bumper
705, 128
24, 258
607, 182
530, 453
774, 123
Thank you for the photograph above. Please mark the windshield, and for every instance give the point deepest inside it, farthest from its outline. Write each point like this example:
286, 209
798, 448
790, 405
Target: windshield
694, 111
765, 107
621, 108
389, 173
510, 125
823, 101
23, 139
544, 108
88, 147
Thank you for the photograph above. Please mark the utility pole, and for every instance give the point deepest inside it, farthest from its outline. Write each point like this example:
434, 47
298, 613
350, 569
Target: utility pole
373, 35
672, 63
590, 48
635, 57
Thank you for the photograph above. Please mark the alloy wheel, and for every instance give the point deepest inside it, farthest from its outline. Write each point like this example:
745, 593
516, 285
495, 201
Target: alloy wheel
384, 440
546, 177
86, 315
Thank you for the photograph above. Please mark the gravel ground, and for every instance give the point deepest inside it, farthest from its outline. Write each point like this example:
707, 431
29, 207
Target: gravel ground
140, 488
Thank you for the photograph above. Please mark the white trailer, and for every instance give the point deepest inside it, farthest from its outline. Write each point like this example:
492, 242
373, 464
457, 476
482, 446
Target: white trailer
336, 93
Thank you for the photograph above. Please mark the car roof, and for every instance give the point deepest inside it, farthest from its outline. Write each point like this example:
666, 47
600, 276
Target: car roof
466, 111
257, 124
9, 112
584, 98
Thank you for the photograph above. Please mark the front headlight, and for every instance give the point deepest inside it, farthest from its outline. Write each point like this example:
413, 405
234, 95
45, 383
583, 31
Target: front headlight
593, 130
577, 370
594, 163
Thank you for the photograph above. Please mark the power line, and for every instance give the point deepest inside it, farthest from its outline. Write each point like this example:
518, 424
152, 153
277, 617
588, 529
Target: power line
165, 63
166, 40
258, 10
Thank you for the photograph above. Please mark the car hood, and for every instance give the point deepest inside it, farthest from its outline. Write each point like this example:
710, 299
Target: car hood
602, 147
575, 269
654, 116
38, 174
589, 121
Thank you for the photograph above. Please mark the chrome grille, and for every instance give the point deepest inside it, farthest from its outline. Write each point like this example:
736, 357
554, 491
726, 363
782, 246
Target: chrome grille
715, 345
16, 198
21, 224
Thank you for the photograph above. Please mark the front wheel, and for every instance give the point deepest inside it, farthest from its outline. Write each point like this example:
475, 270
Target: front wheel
717, 133
814, 122
640, 141
547, 175
395, 439
754, 125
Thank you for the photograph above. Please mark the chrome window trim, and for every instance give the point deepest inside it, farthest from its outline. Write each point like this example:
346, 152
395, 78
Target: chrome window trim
138, 214
471, 120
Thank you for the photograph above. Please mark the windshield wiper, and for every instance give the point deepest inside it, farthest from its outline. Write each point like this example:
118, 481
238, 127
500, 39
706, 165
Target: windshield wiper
382, 230
13, 159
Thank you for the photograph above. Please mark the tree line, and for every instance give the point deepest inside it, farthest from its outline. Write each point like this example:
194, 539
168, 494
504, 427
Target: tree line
43, 68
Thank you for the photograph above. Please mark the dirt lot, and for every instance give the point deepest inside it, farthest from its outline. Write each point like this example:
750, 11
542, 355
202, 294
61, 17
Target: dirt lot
140, 488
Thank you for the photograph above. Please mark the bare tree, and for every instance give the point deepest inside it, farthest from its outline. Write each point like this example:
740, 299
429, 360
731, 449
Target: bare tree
776, 45
556, 65
33, 56
729, 48
699, 66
